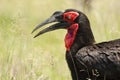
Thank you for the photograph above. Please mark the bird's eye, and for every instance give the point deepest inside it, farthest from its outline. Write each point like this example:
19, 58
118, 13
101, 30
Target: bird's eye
68, 17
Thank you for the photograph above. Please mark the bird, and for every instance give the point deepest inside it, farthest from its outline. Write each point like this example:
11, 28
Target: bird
86, 59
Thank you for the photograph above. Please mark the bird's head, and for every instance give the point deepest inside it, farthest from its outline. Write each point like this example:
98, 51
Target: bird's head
70, 19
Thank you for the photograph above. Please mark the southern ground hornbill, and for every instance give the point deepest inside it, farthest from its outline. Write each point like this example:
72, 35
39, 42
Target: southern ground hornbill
86, 60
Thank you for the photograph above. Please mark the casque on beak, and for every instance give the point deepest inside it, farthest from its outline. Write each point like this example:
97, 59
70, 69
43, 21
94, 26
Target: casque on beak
56, 17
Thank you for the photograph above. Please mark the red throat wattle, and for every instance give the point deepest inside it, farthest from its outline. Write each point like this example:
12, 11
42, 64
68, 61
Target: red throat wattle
70, 36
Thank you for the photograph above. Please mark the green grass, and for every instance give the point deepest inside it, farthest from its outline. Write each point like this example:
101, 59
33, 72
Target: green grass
24, 58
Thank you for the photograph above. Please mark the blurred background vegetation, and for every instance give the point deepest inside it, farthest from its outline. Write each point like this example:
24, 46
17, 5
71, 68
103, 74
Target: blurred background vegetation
24, 58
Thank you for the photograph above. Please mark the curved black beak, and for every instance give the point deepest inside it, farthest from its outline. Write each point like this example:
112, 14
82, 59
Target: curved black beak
60, 25
63, 25
49, 20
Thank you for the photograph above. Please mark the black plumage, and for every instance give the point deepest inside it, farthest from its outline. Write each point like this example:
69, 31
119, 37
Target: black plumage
100, 61
86, 60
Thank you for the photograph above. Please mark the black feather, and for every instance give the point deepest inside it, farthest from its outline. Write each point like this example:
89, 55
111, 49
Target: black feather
104, 57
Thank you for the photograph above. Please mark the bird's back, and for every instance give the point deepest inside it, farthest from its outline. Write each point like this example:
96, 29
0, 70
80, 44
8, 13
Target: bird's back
103, 57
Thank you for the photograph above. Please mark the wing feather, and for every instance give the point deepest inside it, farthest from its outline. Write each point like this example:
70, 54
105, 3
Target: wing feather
105, 57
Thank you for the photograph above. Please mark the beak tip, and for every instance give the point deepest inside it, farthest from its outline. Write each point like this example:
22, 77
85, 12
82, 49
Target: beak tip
34, 36
32, 31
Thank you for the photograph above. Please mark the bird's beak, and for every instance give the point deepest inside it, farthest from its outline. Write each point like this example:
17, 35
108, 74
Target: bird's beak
60, 25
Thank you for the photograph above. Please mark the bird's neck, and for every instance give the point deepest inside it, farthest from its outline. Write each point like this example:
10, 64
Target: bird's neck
79, 35
70, 36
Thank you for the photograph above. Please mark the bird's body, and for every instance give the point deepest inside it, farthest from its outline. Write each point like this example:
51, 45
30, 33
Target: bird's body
97, 61
86, 60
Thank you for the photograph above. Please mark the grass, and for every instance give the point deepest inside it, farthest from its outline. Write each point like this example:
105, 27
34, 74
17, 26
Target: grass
24, 58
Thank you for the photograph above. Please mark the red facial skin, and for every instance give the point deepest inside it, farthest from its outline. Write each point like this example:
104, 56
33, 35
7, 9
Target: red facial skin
70, 16
72, 30
70, 36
